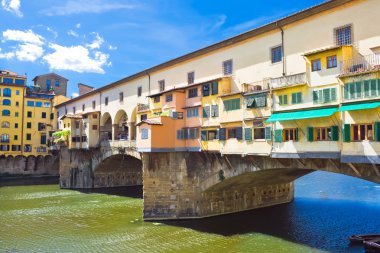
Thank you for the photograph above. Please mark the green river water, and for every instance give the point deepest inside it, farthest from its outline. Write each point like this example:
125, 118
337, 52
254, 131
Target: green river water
44, 218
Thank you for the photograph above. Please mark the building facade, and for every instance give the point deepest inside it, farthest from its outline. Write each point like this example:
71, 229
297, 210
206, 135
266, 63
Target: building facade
305, 86
51, 81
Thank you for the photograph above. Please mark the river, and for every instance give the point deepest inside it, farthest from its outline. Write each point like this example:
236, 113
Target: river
327, 209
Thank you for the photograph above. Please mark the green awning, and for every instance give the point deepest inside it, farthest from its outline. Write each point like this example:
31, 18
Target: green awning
361, 106
306, 114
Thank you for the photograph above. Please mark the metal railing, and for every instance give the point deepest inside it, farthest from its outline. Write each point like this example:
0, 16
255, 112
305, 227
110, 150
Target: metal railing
360, 64
256, 86
286, 81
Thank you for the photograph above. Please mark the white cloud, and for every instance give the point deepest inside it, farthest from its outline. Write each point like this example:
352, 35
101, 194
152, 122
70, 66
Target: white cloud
98, 41
85, 6
27, 36
72, 33
110, 47
55, 34
76, 58
75, 94
77, 25
7, 56
29, 52
12, 6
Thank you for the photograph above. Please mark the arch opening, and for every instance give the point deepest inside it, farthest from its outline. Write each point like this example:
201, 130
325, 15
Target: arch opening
106, 127
121, 128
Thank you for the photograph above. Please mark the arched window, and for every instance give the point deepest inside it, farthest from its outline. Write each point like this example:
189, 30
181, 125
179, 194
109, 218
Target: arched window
5, 124
6, 102
6, 113
5, 137
7, 92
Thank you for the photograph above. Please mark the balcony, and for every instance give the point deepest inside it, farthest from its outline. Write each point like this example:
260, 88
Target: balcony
256, 86
361, 64
288, 81
142, 107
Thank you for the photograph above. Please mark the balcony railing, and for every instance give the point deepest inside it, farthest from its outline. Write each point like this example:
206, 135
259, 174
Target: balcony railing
256, 86
142, 107
360, 64
287, 81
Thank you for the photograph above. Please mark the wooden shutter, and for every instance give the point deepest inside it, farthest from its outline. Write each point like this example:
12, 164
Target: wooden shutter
373, 88
377, 131
333, 94
358, 89
315, 96
294, 98
206, 111
268, 133
204, 135
214, 88
345, 91
206, 90
239, 133
310, 133
285, 99
248, 134
334, 133
296, 134
222, 134
280, 101
366, 88
346, 133
278, 135
326, 96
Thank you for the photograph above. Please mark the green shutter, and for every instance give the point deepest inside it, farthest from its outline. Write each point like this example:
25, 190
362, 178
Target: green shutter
326, 95
333, 94
345, 91
377, 131
248, 134
373, 88
222, 134
358, 89
239, 133
285, 99
378, 87
346, 133
280, 101
366, 88
352, 93
299, 97
278, 135
206, 111
334, 133
315, 97
268, 133
296, 132
310, 134
320, 96
204, 135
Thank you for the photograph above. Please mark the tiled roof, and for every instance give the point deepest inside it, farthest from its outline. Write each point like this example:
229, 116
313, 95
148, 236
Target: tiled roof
149, 122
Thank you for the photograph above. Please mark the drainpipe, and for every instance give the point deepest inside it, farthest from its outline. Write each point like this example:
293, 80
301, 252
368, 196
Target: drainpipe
283, 52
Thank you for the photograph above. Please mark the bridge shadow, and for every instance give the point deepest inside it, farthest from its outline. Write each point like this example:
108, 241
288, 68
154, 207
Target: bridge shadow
28, 180
122, 191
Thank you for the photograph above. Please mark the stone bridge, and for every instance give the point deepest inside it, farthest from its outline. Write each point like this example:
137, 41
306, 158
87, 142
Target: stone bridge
180, 185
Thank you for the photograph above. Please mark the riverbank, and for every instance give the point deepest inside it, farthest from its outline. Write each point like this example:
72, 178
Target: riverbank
19, 180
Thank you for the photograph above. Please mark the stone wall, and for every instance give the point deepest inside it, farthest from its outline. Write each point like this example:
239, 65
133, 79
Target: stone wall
21, 165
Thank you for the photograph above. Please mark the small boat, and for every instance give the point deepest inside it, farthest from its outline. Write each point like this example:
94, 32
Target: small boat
362, 238
372, 245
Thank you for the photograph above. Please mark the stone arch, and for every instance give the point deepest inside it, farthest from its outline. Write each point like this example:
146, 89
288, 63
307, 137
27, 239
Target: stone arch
121, 127
40, 163
106, 127
30, 164
118, 170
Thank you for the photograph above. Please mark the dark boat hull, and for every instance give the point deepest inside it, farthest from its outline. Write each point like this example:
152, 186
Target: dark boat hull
359, 239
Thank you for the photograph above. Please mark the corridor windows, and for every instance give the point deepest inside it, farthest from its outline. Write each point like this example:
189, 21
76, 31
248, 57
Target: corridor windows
190, 77
227, 68
276, 54
161, 85
343, 35
361, 132
139, 91
121, 97
93, 105
106, 101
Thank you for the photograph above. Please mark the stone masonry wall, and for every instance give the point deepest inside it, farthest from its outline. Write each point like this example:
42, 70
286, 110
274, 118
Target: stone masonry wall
21, 165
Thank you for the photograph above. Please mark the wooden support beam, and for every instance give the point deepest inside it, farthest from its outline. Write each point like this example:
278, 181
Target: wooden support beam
354, 169
376, 170
228, 162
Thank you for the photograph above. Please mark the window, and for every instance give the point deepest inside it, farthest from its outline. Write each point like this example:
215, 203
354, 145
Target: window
121, 97
7, 80
106, 101
16, 147
190, 77
193, 93
214, 111
38, 104
343, 35
56, 83
17, 92
324, 95
94, 116
27, 148
43, 139
84, 138
331, 62
297, 98
169, 98
188, 133
41, 126
355, 90
30, 103
259, 133
17, 103
283, 99
236, 132
156, 99
214, 88
290, 134
227, 67
16, 125
74, 110
6, 102
231, 104
7, 92
6, 113
316, 65
206, 90
29, 114
144, 134
48, 84
65, 110
15, 137
29, 125
4, 147
192, 112
43, 115
16, 114
323, 133
139, 91
28, 137
206, 111
94, 127
143, 117
5, 124
212, 135
256, 101
77, 124
19, 81
5, 138
276, 54
361, 132
93, 105
161, 85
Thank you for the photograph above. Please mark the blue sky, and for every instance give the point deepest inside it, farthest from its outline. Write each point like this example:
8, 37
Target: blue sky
97, 42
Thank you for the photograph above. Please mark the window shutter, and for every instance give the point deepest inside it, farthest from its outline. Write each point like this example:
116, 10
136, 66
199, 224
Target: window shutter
222, 134
378, 87
206, 111
239, 133
345, 91
294, 98
248, 134
217, 134
334, 133
377, 131
206, 90
333, 94
268, 133
366, 88
278, 135
280, 101
296, 134
214, 88
373, 87
358, 89
310, 134
315, 96
326, 95
346, 133
204, 135
285, 99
